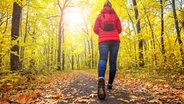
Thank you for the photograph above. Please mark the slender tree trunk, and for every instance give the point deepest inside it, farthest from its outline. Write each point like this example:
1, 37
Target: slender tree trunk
0, 55
49, 51
92, 53
61, 34
63, 52
26, 27
59, 41
63, 60
89, 46
32, 61
7, 19
85, 52
162, 30
78, 62
178, 31
1, 42
15, 59
72, 61
141, 41
89, 57
52, 50
26, 32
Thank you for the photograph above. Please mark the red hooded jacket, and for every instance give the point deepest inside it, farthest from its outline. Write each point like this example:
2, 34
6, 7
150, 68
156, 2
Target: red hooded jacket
107, 35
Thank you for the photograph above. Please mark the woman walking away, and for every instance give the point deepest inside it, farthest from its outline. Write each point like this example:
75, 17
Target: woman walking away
108, 27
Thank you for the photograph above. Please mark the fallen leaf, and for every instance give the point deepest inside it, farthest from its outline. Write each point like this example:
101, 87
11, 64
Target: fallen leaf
83, 99
57, 96
182, 96
24, 99
163, 98
37, 92
155, 101
163, 91
4, 101
93, 95
123, 100
133, 97
166, 85
142, 98
67, 97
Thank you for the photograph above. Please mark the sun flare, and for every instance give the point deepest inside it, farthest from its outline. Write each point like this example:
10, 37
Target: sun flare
73, 16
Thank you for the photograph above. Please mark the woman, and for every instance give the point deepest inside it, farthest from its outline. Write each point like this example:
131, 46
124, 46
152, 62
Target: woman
108, 27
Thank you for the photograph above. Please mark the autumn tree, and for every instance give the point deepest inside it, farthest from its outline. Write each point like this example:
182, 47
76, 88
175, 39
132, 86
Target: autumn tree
178, 31
151, 27
61, 33
141, 41
15, 58
162, 30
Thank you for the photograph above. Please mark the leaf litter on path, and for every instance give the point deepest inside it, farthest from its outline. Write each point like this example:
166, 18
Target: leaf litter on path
82, 88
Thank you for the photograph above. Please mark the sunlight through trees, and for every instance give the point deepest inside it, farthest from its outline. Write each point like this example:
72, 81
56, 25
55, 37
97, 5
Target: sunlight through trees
58, 34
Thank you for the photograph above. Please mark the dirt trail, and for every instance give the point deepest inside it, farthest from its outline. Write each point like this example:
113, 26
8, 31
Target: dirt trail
80, 87
83, 89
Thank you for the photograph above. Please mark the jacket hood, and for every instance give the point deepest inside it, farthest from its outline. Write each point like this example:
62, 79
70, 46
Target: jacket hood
108, 10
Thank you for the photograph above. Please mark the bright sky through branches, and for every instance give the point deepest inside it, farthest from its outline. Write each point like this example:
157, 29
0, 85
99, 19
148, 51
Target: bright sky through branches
73, 17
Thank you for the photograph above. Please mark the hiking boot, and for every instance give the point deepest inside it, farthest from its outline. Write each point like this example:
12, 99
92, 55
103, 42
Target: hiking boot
109, 86
101, 89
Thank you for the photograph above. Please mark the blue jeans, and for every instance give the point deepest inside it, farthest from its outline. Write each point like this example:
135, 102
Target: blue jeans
105, 48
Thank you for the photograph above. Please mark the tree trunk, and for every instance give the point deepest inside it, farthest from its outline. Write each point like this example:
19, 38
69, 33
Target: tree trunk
61, 34
72, 61
63, 60
25, 34
15, 59
0, 55
162, 31
141, 41
85, 52
59, 41
63, 52
92, 53
178, 31
89, 57
26, 26
78, 61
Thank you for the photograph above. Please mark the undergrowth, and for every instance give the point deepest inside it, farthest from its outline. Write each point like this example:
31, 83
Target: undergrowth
26, 79
174, 77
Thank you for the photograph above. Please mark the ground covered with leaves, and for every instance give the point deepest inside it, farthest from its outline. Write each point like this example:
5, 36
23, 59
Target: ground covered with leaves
81, 87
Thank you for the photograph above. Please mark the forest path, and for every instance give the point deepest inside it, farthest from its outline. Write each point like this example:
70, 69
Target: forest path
82, 88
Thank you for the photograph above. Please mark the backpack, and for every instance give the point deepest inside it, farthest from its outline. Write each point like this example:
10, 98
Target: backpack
108, 22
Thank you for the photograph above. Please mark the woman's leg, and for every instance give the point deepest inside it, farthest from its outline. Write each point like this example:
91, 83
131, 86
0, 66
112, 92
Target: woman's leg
113, 57
103, 48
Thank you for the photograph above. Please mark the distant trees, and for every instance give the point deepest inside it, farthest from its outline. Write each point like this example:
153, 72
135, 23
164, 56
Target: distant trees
41, 37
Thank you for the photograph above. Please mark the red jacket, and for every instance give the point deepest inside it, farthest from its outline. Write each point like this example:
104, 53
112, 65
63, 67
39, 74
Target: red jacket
107, 35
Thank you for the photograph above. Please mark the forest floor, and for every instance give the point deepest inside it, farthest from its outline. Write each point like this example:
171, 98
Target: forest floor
77, 87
